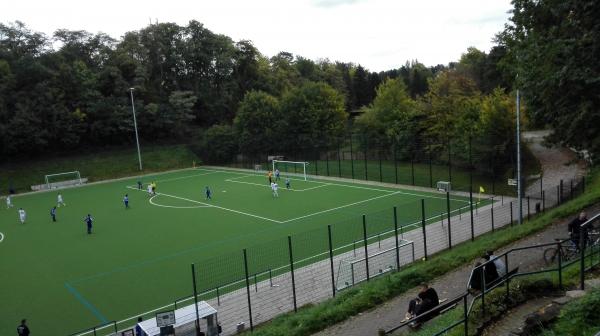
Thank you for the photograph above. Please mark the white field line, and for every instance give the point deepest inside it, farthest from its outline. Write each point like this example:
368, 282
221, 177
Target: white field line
417, 223
1, 237
344, 185
264, 185
185, 177
215, 206
340, 207
175, 207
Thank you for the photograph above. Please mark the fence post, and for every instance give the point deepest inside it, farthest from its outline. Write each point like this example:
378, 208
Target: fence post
292, 272
327, 162
528, 209
351, 157
543, 201
492, 214
561, 190
412, 168
430, 171
396, 236
482, 289
365, 154
511, 214
248, 289
557, 194
582, 259
317, 158
196, 300
466, 315
560, 283
571, 190
507, 278
423, 227
380, 172
331, 260
364, 218
339, 161
396, 164
449, 162
471, 211
449, 225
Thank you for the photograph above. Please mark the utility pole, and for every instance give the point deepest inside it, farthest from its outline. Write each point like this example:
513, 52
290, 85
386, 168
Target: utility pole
137, 140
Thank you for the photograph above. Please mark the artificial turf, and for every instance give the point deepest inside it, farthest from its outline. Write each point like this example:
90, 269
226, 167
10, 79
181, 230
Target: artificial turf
64, 280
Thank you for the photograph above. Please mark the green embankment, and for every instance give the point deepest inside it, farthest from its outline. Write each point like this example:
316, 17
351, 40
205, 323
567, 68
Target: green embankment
96, 166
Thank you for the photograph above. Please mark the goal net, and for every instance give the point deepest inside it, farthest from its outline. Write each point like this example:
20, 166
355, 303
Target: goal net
63, 179
291, 167
352, 271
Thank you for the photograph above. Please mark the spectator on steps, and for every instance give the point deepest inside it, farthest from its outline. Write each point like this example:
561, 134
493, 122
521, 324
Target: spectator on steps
475, 282
490, 271
426, 300
575, 227
500, 266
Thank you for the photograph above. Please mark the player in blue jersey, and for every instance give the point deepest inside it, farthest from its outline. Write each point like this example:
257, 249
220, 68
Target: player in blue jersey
208, 193
126, 201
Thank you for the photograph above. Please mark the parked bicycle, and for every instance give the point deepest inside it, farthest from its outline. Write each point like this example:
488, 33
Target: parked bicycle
568, 251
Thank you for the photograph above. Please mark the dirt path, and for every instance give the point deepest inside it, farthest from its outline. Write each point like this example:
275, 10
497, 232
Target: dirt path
557, 164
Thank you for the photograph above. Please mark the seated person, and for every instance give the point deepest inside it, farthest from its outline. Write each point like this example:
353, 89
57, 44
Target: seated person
490, 272
475, 282
426, 300
500, 266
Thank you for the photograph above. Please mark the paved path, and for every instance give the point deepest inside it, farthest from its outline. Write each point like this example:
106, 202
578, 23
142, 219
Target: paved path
514, 318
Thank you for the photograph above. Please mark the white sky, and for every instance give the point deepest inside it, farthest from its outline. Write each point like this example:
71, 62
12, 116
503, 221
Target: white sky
379, 34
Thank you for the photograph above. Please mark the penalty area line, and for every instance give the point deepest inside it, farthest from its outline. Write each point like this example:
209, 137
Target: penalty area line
215, 206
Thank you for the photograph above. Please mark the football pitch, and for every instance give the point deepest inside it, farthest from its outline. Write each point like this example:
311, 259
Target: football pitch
63, 280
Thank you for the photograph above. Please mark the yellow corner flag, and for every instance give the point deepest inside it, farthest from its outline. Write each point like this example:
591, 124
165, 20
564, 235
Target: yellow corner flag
481, 190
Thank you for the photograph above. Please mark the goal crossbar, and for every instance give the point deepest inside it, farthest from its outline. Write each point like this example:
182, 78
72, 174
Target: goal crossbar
302, 163
77, 178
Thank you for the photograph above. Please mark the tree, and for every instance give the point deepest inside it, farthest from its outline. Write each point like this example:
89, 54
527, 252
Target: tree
391, 118
217, 145
552, 46
256, 123
182, 104
312, 115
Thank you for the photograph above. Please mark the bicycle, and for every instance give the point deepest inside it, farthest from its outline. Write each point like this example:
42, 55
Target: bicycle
568, 251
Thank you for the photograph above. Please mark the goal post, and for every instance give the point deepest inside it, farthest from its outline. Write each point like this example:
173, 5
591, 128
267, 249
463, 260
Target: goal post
298, 165
63, 179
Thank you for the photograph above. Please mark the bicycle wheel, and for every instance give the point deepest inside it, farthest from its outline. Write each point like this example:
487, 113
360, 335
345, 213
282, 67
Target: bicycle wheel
550, 255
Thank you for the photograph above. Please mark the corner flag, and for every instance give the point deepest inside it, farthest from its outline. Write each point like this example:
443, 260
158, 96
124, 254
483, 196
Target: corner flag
481, 190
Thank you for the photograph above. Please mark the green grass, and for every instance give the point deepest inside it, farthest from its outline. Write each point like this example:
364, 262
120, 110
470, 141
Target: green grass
138, 259
369, 295
97, 166
579, 317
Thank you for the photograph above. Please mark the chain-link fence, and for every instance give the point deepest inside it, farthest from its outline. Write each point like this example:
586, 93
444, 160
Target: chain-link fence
254, 285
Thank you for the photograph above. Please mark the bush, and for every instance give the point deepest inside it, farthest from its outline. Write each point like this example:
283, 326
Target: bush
217, 145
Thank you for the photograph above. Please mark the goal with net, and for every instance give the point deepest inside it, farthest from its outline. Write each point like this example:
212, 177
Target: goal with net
63, 179
295, 167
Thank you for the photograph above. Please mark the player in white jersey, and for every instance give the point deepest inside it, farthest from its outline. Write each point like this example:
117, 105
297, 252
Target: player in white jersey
60, 200
274, 187
22, 215
9, 202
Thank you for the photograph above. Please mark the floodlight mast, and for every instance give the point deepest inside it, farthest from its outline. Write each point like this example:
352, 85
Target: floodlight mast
137, 140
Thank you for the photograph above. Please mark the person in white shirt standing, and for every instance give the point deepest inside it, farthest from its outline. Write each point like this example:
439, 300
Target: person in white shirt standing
60, 201
8, 202
274, 187
22, 215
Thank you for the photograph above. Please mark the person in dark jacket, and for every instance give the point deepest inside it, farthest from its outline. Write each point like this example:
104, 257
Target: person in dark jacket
490, 272
22, 329
426, 300
476, 280
575, 229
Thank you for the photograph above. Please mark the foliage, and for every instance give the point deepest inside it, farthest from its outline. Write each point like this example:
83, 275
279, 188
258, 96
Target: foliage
217, 145
552, 47
579, 318
311, 115
255, 123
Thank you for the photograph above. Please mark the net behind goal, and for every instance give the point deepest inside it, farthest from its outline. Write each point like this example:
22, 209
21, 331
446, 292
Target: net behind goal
291, 167
63, 179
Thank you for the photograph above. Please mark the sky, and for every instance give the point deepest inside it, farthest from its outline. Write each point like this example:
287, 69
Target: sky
378, 34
